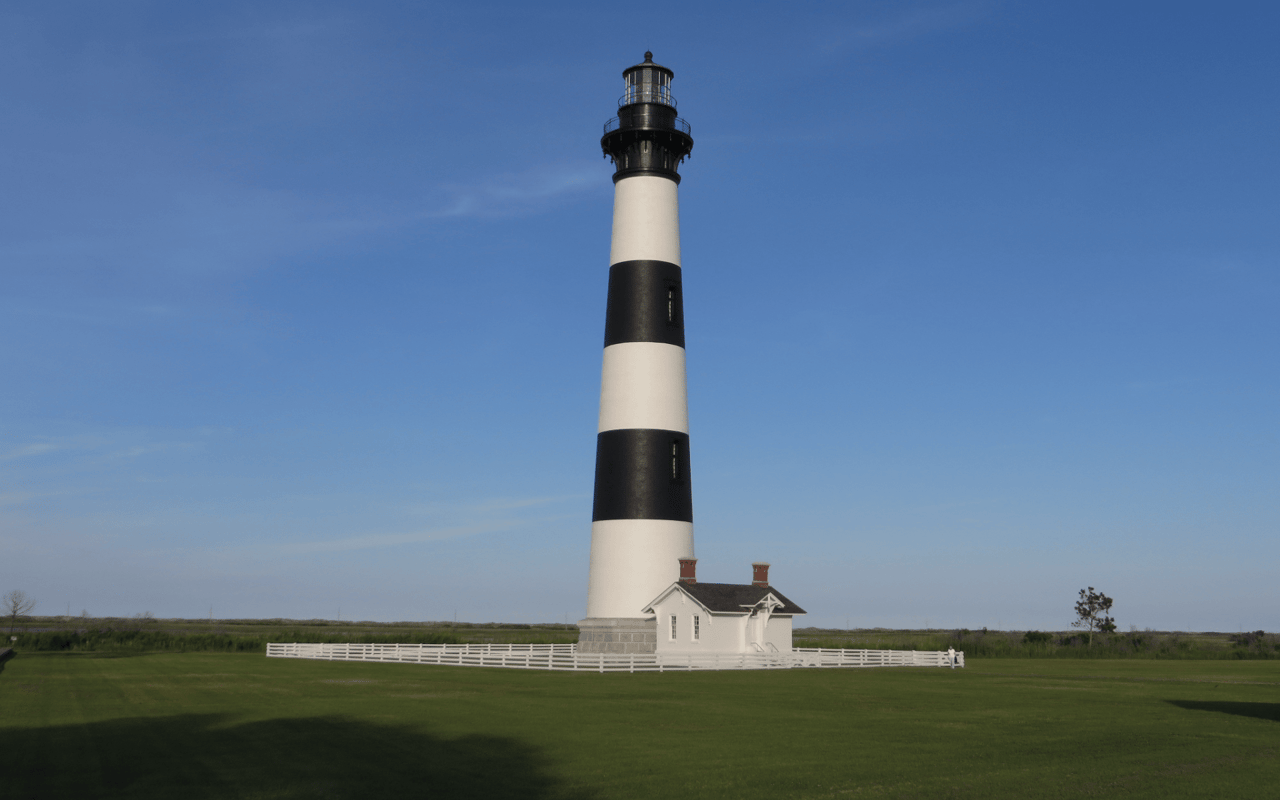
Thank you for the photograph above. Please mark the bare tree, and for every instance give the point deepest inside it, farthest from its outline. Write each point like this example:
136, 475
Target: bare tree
1091, 613
17, 604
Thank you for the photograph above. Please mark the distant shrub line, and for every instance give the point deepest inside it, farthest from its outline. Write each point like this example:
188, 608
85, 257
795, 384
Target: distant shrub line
1038, 644
975, 644
136, 641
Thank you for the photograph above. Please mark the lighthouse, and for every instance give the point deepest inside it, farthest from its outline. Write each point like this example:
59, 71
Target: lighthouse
642, 515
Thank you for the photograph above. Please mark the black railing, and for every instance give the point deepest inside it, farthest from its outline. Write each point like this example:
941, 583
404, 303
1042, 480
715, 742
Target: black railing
647, 96
681, 125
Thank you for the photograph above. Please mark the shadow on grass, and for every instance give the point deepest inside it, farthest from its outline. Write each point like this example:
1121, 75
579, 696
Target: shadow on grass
84, 654
1269, 711
207, 755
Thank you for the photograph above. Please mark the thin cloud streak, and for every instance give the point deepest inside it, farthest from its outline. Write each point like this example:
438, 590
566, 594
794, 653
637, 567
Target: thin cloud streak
372, 541
15, 498
497, 504
300, 29
28, 450
520, 194
908, 26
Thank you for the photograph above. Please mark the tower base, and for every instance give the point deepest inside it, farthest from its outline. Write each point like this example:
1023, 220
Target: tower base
622, 635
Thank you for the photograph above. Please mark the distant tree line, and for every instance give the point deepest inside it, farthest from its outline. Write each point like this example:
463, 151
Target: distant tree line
1042, 644
146, 641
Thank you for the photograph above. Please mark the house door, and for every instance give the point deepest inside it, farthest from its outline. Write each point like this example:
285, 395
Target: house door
755, 632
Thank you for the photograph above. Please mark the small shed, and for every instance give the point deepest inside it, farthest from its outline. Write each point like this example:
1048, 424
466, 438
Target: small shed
713, 618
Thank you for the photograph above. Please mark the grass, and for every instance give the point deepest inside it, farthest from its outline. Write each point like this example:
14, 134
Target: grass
204, 725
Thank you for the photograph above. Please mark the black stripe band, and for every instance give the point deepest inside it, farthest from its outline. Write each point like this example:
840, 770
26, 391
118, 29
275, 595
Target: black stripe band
646, 303
642, 474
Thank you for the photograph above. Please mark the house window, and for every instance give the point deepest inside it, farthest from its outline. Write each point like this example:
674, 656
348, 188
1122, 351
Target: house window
673, 627
695, 627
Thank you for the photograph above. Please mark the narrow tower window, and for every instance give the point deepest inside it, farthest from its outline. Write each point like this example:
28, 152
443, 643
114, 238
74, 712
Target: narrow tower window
671, 305
675, 461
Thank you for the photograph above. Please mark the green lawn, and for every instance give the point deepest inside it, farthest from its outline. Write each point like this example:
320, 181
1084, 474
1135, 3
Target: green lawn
200, 725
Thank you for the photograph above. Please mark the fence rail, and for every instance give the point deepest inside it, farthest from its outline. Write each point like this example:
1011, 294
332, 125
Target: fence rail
567, 658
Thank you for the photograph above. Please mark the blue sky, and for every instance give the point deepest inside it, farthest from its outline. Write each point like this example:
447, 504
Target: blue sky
302, 306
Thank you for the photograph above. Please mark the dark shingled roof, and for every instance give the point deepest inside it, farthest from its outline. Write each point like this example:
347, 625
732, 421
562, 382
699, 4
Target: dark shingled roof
733, 596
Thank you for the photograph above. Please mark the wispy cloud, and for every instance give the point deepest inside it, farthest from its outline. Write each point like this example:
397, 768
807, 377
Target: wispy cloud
14, 498
521, 193
138, 450
1163, 385
487, 506
100, 448
453, 521
379, 540
508, 504
286, 30
28, 450
907, 26
161, 227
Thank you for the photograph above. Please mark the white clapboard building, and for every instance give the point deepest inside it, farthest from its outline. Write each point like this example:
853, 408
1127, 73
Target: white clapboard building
705, 618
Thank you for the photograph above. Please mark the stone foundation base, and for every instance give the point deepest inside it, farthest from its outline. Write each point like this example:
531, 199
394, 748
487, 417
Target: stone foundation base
617, 635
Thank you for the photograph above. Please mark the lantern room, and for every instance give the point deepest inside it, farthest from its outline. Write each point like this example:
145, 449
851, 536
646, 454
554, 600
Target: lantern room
647, 82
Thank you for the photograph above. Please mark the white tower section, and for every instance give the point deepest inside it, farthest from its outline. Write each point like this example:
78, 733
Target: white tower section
642, 387
642, 520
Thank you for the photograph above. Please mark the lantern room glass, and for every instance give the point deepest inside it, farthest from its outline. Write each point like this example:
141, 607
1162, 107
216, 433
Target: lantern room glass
648, 85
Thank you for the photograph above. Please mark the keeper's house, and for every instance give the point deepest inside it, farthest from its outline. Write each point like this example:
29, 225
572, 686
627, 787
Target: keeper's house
710, 618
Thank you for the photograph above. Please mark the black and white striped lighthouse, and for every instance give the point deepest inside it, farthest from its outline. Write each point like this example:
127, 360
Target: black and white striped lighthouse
642, 519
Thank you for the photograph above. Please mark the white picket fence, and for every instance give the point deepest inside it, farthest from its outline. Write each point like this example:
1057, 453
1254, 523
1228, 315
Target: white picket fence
566, 657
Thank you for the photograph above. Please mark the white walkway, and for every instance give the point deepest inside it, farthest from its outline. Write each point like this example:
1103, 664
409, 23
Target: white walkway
566, 657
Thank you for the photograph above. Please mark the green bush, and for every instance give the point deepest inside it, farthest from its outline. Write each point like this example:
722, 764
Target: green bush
1036, 637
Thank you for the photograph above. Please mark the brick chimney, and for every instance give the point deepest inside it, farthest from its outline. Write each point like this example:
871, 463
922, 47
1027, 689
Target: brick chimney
759, 573
688, 570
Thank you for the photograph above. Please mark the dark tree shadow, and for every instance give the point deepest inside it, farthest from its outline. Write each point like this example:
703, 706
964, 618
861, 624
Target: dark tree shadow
1269, 711
206, 756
